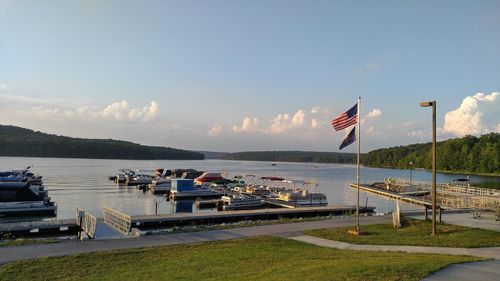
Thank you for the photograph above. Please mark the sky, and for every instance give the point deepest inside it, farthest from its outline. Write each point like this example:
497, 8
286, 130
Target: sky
250, 75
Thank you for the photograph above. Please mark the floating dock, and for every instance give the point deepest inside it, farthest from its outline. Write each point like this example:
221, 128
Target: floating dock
275, 203
69, 226
394, 195
40, 228
152, 221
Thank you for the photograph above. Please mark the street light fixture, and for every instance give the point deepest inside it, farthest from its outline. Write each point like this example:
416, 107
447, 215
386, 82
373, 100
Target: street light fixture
433, 104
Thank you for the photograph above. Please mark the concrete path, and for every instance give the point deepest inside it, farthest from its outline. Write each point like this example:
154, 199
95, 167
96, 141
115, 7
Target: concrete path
484, 271
492, 252
9, 254
487, 270
486, 221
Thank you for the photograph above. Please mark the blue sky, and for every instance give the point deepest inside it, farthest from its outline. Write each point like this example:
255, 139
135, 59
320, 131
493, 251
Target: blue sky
249, 75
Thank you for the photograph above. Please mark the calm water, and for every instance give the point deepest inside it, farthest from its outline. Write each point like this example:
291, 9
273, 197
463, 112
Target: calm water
84, 183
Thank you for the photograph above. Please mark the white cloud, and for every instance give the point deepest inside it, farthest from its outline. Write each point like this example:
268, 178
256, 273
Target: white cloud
215, 130
374, 113
416, 134
298, 118
248, 125
315, 109
370, 129
26, 99
367, 68
283, 122
476, 115
314, 124
279, 123
117, 111
146, 114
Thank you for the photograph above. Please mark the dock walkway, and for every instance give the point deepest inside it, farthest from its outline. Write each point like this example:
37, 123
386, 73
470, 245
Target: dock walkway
69, 226
241, 215
394, 195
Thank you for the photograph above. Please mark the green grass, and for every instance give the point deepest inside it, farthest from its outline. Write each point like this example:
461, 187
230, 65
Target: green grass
415, 233
261, 258
22, 241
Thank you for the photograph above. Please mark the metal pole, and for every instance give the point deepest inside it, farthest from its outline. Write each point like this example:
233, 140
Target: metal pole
358, 229
433, 167
411, 170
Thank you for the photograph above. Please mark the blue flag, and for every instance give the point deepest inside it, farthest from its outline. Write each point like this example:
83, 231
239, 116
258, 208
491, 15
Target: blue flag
350, 138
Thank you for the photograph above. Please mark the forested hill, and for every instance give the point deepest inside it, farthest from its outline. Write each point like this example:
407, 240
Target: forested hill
16, 141
293, 156
468, 155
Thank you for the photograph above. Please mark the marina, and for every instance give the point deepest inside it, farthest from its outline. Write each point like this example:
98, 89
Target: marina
85, 183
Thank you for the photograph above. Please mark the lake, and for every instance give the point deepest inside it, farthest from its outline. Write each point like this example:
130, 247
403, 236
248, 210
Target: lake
84, 183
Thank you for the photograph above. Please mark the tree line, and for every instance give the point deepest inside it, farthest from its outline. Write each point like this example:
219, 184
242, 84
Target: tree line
469, 154
16, 141
293, 156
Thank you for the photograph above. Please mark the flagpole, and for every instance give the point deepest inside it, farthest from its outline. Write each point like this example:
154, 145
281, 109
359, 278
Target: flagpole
358, 229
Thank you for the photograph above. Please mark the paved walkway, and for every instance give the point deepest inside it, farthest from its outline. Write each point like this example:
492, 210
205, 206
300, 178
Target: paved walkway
484, 271
486, 221
492, 252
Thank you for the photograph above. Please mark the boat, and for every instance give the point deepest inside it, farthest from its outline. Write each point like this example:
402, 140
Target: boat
138, 179
265, 187
184, 189
240, 202
303, 198
160, 186
301, 194
208, 177
22, 193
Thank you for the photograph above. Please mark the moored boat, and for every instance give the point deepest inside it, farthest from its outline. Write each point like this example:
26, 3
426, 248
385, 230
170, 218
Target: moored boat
23, 193
240, 202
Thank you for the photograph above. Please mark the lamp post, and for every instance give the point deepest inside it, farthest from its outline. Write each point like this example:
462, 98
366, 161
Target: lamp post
433, 104
411, 170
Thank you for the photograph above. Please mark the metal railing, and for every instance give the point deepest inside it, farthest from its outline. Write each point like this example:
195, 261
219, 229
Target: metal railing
86, 222
446, 187
456, 196
118, 220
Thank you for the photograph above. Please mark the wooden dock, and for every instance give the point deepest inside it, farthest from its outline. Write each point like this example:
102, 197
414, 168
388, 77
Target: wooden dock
40, 228
151, 221
394, 195
69, 226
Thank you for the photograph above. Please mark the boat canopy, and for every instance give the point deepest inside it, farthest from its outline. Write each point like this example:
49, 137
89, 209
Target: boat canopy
273, 178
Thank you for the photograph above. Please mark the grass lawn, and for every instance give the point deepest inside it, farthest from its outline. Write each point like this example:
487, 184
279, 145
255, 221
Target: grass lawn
415, 233
20, 242
261, 258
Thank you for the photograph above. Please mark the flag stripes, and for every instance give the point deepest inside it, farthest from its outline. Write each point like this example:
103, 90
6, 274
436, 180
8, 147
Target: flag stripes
346, 119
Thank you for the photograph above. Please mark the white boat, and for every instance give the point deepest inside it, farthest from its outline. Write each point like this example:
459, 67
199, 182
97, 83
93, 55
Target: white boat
302, 194
184, 189
240, 202
161, 186
303, 198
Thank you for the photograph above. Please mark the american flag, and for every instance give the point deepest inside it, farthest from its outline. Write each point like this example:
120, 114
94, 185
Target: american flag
346, 119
